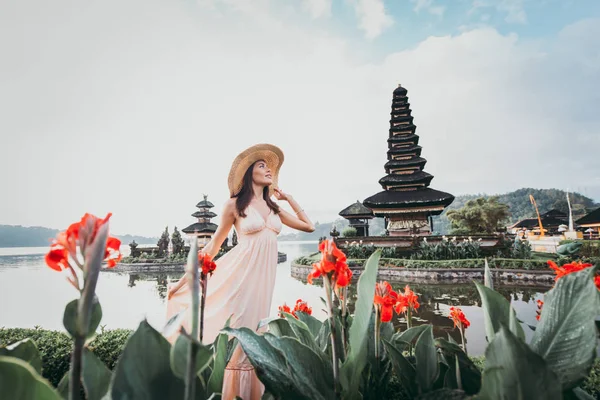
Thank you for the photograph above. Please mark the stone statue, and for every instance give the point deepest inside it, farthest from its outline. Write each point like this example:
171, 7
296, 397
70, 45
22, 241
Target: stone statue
134, 250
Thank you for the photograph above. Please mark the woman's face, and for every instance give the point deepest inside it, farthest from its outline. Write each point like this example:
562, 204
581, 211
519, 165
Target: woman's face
261, 174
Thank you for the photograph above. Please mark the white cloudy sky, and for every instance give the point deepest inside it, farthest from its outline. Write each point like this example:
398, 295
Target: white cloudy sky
139, 107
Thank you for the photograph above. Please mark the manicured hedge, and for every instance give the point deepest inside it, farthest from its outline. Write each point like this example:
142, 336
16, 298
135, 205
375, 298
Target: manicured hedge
502, 263
55, 348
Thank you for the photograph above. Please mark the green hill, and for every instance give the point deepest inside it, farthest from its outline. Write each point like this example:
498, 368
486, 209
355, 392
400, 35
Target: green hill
37, 236
520, 207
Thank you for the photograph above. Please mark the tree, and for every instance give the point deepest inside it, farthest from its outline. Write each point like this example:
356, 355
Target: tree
178, 243
481, 215
163, 243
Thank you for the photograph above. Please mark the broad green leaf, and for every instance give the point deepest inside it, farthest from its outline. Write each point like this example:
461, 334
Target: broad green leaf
314, 325
409, 336
514, 371
215, 382
25, 350
469, 373
487, 276
19, 380
70, 318
323, 339
270, 363
300, 329
404, 369
496, 312
566, 334
312, 376
446, 394
357, 355
144, 371
577, 394
95, 376
281, 327
180, 354
426, 360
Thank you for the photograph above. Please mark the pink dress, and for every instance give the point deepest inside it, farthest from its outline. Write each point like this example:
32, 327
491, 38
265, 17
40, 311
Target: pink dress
242, 286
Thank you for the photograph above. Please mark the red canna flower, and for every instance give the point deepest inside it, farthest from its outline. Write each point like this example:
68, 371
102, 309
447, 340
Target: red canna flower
457, 315
58, 257
540, 304
570, 268
284, 308
208, 265
302, 306
385, 299
333, 261
407, 300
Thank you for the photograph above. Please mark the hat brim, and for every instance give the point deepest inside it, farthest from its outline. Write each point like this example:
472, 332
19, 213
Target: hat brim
269, 153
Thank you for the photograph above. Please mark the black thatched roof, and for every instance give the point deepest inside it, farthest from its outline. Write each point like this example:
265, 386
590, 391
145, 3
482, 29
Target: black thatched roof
205, 204
409, 199
355, 210
413, 162
555, 213
403, 128
404, 138
201, 227
591, 218
547, 222
412, 149
400, 91
414, 178
204, 214
400, 119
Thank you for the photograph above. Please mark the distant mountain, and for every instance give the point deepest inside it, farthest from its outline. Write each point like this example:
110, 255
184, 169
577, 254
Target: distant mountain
37, 236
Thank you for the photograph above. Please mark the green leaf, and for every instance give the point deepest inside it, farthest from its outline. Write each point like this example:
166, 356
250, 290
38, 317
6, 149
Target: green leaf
180, 354
302, 332
312, 377
404, 369
95, 375
446, 394
577, 394
469, 373
313, 324
514, 371
566, 334
487, 276
357, 355
19, 380
323, 339
281, 327
215, 382
496, 312
25, 350
426, 360
409, 336
269, 362
144, 370
70, 318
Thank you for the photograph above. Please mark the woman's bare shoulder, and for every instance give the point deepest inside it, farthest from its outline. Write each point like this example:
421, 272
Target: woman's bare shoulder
230, 207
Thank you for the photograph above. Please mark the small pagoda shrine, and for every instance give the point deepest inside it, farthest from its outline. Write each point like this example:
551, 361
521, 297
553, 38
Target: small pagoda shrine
407, 202
203, 229
358, 217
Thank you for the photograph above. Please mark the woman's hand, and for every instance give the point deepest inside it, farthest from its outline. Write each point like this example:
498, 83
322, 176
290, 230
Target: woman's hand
280, 195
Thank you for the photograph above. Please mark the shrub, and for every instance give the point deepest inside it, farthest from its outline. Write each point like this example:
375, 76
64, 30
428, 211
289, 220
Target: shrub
448, 250
55, 348
500, 263
349, 232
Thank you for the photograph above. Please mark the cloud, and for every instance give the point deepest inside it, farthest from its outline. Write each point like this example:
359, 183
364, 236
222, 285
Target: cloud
513, 9
373, 18
143, 118
428, 5
318, 8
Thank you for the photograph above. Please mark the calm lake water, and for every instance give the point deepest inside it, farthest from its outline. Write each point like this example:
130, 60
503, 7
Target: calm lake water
32, 294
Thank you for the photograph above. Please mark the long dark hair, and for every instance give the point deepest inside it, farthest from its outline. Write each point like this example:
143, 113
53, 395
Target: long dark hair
243, 198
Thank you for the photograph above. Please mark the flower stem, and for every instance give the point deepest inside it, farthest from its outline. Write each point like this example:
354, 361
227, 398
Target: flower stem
409, 317
204, 283
334, 349
377, 333
190, 377
75, 376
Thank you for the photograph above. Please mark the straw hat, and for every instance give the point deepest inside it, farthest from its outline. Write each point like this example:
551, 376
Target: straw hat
272, 155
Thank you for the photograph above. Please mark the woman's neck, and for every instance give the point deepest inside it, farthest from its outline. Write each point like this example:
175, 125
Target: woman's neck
257, 192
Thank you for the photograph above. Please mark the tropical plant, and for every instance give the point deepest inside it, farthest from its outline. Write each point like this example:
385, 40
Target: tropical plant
178, 243
482, 215
349, 232
448, 249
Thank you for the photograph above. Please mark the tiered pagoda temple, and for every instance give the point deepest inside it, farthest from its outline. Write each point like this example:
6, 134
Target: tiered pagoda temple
358, 216
406, 202
203, 229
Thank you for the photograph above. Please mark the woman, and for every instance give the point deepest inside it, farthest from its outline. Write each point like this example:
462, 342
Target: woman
242, 285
